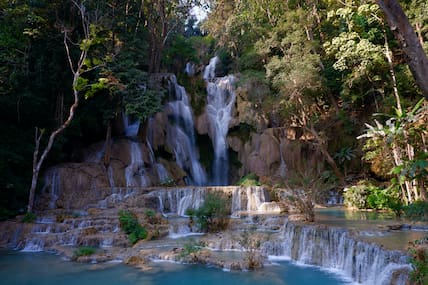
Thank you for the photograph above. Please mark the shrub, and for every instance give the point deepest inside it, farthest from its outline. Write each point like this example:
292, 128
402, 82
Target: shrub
418, 209
419, 261
250, 179
378, 198
214, 213
190, 248
130, 225
29, 217
356, 196
251, 242
84, 251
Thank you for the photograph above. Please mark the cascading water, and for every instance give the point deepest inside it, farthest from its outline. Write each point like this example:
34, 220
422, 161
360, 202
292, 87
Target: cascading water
181, 135
335, 249
135, 171
52, 186
252, 199
161, 171
220, 100
177, 201
131, 127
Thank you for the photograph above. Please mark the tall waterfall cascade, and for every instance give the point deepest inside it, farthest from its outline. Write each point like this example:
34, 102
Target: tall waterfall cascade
181, 135
220, 101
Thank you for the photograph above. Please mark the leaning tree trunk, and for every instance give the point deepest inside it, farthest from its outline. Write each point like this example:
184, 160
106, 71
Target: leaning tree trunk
77, 70
38, 162
405, 34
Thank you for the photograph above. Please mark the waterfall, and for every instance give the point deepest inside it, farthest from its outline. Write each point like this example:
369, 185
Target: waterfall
161, 171
135, 171
177, 201
252, 199
190, 69
131, 127
282, 170
220, 101
52, 186
334, 248
181, 135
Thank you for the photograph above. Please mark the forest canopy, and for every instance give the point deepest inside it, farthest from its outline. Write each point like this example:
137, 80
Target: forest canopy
324, 66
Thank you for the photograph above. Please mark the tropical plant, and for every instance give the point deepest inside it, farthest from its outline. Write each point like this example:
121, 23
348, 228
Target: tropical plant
130, 225
400, 142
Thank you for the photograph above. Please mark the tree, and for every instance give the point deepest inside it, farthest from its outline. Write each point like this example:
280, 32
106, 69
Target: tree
410, 43
400, 145
77, 68
163, 18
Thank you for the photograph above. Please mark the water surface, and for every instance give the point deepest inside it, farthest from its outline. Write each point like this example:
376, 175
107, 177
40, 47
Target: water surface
17, 268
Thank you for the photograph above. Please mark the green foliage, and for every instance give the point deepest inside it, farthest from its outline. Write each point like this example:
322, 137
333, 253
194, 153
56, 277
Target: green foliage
191, 247
356, 196
213, 215
419, 260
366, 195
396, 148
29, 217
250, 179
84, 251
130, 225
417, 209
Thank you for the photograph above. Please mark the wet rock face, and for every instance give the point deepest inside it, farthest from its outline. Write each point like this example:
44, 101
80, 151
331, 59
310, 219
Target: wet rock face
73, 186
274, 152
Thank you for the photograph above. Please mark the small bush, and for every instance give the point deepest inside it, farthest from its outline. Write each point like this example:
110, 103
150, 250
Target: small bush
191, 247
378, 199
250, 179
418, 209
84, 251
130, 225
29, 217
356, 196
213, 215
419, 260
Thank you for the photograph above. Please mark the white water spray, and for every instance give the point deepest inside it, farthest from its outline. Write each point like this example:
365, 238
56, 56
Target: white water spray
220, 101
181, 135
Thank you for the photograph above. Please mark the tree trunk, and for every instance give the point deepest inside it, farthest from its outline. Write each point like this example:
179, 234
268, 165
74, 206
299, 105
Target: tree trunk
404, 33
388, 55
77, 70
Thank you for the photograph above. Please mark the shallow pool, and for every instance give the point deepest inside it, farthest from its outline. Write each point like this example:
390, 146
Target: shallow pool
42, 268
